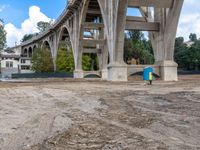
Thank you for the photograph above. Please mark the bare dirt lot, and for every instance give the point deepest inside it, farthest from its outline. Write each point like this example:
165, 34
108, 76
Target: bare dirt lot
60, 114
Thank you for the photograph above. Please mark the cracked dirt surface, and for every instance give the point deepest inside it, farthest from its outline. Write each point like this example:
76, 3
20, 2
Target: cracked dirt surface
95, 115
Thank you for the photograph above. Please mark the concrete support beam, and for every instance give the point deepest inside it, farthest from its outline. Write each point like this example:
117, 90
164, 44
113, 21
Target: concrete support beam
88, 42
90, 50
150, 3
90, 25
137, 19
142, 26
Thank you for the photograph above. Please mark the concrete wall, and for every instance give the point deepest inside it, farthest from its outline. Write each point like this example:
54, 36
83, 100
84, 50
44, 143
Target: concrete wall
132, 69
7, 71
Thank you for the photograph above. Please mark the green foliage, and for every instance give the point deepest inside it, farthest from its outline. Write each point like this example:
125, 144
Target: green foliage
191, 57
137, 47
43, 26
65, 60
193, 37
90, 62
42, 61
2, 35
179, 51
187, 57
86, 62
27, 37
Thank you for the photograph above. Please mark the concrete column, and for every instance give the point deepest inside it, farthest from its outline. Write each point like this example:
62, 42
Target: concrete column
168, 70
163, 41
104, 70
77, 29
117, 69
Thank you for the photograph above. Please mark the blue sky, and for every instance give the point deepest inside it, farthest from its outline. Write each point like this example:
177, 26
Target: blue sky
21, 16
16, 11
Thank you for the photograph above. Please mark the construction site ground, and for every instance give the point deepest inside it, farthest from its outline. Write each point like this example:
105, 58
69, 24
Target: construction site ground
69, 114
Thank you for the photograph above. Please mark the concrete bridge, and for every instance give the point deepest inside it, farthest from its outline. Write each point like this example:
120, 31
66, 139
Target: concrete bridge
106, 21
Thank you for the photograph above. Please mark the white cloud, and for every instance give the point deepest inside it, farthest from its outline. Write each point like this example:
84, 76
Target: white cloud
14, 34
190, 19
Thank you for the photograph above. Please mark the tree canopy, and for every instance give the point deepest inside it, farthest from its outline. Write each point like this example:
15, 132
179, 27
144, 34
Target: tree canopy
27, 37
2, 35
43, 26
42, 60
187, 57
138, 48
65, 60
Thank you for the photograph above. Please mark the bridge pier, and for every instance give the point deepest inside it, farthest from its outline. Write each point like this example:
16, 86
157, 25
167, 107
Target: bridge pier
117, 72
168, 70
78, 74
163, 41
115, 20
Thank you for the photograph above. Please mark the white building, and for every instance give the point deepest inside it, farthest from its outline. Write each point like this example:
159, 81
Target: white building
13, 60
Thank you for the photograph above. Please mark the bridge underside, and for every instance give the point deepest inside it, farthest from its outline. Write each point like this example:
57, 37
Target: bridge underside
98, 26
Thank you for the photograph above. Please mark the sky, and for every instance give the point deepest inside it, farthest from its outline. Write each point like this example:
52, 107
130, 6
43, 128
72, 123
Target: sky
21, 17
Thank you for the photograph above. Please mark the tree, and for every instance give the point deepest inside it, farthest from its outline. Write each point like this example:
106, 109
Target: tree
193, 37
192, 57
86, 62
43, 26
65, 60
187, 57
42, 61
180, 49
137, 47
2, 35
27, 37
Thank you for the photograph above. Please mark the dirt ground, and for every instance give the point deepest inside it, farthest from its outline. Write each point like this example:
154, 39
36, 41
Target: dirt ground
61, 114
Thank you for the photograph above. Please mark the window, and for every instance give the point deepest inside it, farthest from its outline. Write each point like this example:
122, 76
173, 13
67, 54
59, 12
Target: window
23, 61
9, 64
25, 67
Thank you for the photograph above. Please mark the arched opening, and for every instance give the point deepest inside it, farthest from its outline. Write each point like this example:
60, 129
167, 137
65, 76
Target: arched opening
137, 46
138, 51
24, 53
46, 46
92, 76
90, 62
42, 61
30, 52
92, 37
34, 48
65, 57
138, 75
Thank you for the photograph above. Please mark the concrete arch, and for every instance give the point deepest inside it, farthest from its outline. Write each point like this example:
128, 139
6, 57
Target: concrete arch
65, 36
46, 44
92, 74
138, 70
95, 31
65, 30
34, 47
